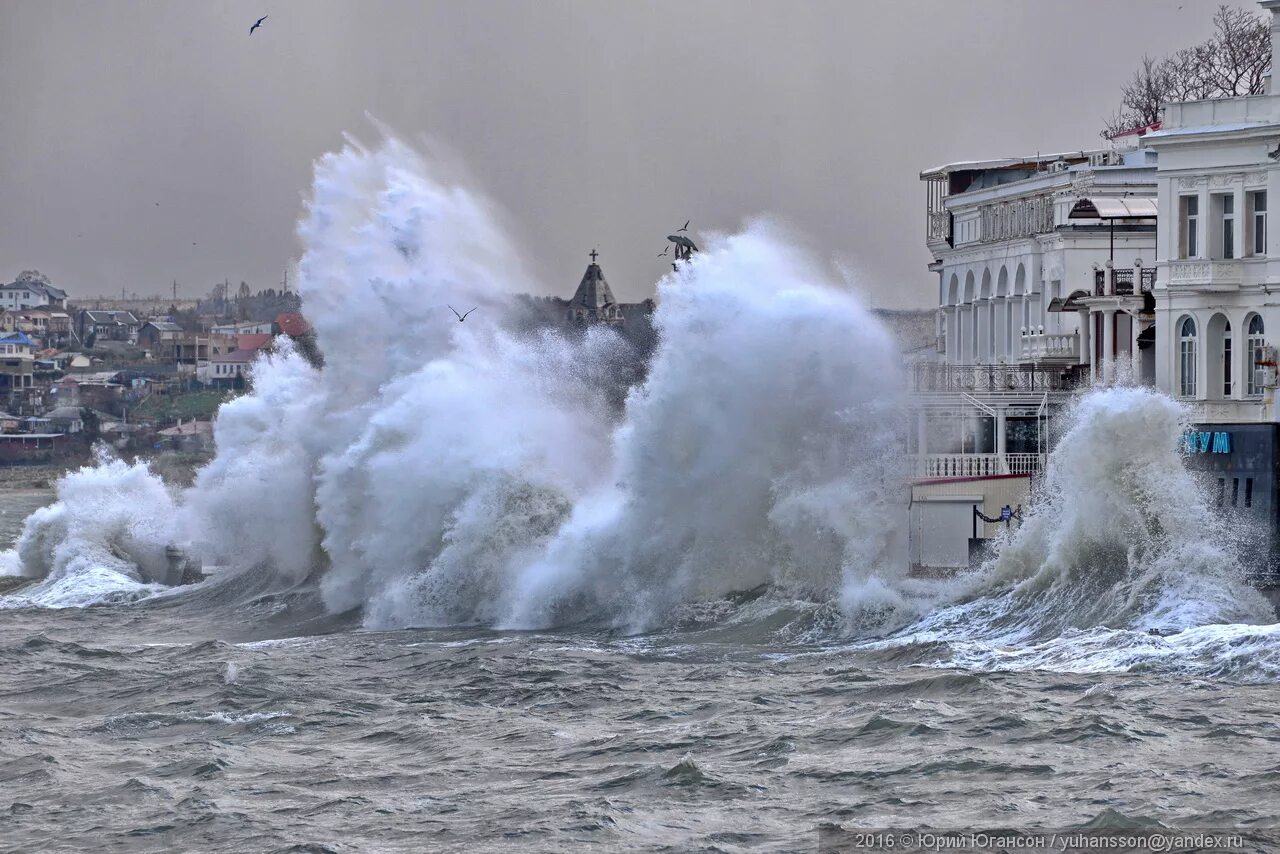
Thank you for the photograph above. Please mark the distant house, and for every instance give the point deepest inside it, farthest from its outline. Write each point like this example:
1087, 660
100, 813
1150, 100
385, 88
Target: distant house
65, 419
108, 325
256, 327
156, 334
168, 342
254, 341
30, 292
17, 364
51, 325
292, 324
230, 370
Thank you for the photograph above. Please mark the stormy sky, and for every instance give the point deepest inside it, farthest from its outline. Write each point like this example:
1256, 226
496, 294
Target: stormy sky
146, 141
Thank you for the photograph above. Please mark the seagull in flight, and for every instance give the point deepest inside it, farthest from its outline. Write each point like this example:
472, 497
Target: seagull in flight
461, 317
257, 24
664, 252
684, 227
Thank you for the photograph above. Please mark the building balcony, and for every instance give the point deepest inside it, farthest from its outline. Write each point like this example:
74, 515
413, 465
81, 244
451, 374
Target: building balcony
1120, 282
993, 379
1200, 273
1048, 348
1250, 411
934, 466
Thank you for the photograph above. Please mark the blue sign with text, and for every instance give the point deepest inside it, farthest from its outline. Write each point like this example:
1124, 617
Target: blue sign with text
1202, 442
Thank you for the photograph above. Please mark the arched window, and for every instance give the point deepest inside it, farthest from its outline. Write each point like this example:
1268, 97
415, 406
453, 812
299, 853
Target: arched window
1253, 353
1187, 357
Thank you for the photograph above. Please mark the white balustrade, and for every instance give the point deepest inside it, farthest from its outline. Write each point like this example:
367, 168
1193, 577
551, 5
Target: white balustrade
977, 465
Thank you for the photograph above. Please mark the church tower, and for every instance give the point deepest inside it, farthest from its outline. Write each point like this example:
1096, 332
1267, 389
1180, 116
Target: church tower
593, 302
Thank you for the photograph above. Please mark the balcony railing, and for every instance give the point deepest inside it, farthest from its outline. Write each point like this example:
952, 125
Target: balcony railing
996, 379
1121, 281
1194, 272
1039, 348
977, 465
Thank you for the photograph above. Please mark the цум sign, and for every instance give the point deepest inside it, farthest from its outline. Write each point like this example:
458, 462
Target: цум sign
1200, 442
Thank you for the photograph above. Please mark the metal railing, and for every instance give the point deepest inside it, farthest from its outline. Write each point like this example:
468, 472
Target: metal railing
1121, 284
993, 378
977, 465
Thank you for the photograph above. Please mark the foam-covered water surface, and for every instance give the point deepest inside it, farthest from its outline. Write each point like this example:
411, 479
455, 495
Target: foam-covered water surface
124, 732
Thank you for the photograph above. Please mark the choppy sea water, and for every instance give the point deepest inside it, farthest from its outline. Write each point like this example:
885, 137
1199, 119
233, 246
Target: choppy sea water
149, 729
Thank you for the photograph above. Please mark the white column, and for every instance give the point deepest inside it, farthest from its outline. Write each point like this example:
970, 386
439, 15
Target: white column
1001, 419
1237, 235
1108, 344
922, 433
1086, 340
1135, 363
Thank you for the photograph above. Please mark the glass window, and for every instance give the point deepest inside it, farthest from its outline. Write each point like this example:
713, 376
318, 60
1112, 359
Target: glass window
1226, 361
1190, 226
1226, 205
1187, 358
1258, 203
1256, 342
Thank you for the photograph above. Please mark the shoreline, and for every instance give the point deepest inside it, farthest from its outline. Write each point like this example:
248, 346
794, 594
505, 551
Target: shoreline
175, 468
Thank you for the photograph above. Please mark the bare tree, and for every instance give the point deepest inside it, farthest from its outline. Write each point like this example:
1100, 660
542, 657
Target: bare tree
1233, 62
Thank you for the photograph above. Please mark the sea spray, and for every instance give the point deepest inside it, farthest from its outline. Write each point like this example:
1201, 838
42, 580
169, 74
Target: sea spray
102, 539
253, 505
1121, 537
439, 472
760, 450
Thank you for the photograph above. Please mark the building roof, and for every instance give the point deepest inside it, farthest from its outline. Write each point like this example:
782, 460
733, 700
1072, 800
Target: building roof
164, 326
1001, 163
593, 291
1232, 127
236, 356
189, 428
1113, 207
254, 340
292, 324
16, 338
120, 318
39, 287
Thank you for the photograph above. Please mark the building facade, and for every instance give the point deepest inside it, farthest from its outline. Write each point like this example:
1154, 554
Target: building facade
31, 292
1042, 286
1045, 271
1217, 294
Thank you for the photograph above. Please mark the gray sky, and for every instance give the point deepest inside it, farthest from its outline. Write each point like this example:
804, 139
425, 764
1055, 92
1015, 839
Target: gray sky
590, 122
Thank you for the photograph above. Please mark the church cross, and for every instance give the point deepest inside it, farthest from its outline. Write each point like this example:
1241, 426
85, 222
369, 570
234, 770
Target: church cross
594, 253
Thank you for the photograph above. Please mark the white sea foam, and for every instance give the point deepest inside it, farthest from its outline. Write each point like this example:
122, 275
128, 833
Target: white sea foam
464, 473
1120, 543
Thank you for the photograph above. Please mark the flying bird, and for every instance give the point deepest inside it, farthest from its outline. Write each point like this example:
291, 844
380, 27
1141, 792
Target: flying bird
684, 227
461, 317
664, 252
257, 24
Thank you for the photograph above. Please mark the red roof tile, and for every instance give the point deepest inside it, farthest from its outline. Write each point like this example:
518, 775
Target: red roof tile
292, 324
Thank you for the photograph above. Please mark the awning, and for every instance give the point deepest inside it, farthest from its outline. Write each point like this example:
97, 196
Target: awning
1114, 207
1071, 303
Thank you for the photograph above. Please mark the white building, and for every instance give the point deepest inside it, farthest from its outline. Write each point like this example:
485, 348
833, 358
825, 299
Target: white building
1042, 288
31, 293
1217, 290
